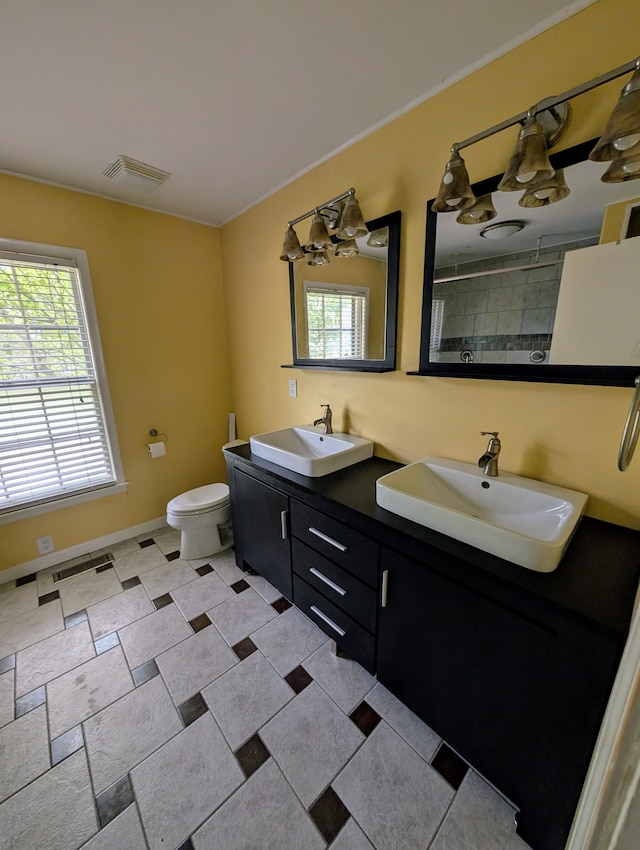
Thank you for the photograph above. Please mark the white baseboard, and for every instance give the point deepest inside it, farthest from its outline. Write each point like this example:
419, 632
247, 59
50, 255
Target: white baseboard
62, 555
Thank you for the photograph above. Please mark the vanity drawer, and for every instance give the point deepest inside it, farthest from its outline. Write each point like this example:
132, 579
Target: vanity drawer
339, 586
336, 541
349, 635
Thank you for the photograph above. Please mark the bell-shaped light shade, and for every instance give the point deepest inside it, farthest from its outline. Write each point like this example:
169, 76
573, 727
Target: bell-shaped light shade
455, 191
346, 249
319, 239
291, 249
621, 136
482, 210
546, 192
623, 169
529, 160
318, 258
379, 238
352, 224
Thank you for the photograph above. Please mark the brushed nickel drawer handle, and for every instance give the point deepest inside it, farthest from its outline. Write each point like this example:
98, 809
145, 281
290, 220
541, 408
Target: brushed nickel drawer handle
283, 524
385, 588
328, 581
327, 539
329, 622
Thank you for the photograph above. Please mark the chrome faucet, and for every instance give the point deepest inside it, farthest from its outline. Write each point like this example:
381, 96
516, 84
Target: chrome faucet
325, 419
489, 460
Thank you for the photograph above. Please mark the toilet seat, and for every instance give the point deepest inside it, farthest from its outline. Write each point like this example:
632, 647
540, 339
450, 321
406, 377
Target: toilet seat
200, 500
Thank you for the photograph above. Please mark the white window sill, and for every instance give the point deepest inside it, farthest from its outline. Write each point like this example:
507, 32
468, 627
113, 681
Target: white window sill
64, 502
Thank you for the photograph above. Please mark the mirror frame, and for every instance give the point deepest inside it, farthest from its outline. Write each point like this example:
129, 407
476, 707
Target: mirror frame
388, 364
621, 376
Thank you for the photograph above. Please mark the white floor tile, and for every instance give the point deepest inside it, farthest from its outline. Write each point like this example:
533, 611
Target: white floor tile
18, 600
240, 615
123, 833
52, 657
81, 594
408, 725
183, 782
226, 567
201, 595
346, 682
24, 745
123, 734
195, 662
153, 634
168, 541
289, 640
312, 740
56, 811
246, 697
114, 613
268, 592
7, 697
167, 576
351, 837
30, 627
263, 813
135, 563
396, 798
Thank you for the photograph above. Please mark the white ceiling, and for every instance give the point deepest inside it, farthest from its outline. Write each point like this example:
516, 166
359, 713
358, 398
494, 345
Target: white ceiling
233, 97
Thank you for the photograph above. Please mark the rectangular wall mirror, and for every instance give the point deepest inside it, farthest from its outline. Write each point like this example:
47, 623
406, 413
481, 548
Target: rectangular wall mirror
344, 315
546, 294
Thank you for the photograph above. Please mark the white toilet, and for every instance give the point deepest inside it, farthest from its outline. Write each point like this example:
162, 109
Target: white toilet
203, 517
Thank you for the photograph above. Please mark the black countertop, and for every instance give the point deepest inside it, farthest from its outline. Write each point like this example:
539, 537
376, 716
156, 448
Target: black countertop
596, 579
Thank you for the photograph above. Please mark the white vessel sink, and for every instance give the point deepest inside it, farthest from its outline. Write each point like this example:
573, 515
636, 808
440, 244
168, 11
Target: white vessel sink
307, 450
524, 521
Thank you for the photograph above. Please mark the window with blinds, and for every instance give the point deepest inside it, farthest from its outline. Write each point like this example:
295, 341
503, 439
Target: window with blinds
336, 321
54, 440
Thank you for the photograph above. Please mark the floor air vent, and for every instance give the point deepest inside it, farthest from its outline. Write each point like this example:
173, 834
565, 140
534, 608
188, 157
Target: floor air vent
89, 564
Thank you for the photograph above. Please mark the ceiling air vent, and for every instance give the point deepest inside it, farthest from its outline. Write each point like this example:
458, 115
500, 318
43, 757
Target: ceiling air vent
132, 174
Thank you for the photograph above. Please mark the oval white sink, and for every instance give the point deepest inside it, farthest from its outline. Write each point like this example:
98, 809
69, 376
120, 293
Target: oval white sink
527, 522
307, 450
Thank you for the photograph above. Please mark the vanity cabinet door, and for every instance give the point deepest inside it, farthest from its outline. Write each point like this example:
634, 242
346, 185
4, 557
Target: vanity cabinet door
260, 516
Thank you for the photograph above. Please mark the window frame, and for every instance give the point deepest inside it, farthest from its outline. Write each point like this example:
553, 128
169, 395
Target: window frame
45, 251
342, 290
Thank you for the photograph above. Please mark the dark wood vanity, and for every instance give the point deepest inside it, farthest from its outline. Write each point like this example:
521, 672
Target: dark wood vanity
512, 668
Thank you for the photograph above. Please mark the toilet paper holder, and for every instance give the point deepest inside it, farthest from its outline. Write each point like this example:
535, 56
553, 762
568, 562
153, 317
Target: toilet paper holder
153, 432
158, 447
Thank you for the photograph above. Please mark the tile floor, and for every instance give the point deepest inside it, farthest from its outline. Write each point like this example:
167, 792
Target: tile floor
159, 703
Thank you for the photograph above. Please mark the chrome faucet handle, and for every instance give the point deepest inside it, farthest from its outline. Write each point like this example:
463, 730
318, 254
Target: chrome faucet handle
489, 434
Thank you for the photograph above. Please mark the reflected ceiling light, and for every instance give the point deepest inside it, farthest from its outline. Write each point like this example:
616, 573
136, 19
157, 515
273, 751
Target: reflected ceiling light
347, 248
546, 191
291, 249
343, 211
483, 210
352, 224
455, 191
623, 169
621, 136
502, 230
529, 160
379, 238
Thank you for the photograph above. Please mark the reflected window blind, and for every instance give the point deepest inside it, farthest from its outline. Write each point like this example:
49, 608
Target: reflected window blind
53, 439
336, 322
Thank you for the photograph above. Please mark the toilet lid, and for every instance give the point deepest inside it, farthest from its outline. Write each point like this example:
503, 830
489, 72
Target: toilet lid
209, 496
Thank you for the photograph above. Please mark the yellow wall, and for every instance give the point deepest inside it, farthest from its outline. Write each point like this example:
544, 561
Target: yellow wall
568, 435
160, 304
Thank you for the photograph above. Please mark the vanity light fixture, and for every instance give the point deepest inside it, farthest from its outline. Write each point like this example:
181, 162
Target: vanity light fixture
502, 230
482, 210
541, 128
342, 213
379, 238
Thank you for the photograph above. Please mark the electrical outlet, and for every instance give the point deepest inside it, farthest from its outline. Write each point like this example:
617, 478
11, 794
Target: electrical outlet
45, 544
293, 388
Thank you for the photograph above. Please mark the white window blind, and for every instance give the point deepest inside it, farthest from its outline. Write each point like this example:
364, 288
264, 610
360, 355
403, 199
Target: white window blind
336, 321
53, 436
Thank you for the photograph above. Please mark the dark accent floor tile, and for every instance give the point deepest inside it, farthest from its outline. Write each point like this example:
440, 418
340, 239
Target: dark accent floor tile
144, 672
450, 766
298, 679
103, 568
162, 601
252, 755
172, 556
30, 701
204, 570
192, 709
106, 643
239, 586
7, 663
74, 619
114, 800
187, 845
365, 718
66, 744
128, 583
244, 648
200, 622
49, 597
144, 543
281, 605
329, 814
25, 579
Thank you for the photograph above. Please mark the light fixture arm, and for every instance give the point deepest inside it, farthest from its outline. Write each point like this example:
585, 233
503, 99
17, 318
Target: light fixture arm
322, 206
548, 103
